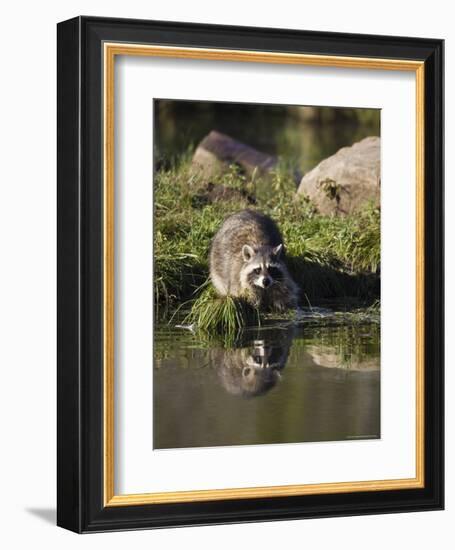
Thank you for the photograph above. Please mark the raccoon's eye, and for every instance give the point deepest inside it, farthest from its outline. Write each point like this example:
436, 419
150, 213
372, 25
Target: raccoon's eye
257, 359
257, 270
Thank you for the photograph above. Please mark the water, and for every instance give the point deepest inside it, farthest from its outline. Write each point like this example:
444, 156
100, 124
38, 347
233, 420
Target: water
319, 381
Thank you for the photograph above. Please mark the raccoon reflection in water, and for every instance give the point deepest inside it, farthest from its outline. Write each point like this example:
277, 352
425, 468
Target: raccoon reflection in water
253, 370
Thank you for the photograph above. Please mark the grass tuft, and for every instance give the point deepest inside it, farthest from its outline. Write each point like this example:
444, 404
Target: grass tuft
225, 315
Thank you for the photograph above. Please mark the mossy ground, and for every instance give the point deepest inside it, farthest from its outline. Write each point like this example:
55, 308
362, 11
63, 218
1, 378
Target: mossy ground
329, 257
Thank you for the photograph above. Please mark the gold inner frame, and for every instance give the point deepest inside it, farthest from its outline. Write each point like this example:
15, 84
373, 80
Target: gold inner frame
110, 51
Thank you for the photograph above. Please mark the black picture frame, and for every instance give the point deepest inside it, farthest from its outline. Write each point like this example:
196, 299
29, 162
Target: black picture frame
80, 476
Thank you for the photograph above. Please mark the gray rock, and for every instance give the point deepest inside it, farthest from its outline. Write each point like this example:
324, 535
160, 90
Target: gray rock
217, 152
346, 181
331, 358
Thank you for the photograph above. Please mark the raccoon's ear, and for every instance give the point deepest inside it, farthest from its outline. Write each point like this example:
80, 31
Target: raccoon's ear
247, 253
277, 250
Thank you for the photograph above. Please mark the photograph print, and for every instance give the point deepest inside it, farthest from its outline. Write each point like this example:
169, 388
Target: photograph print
267, 253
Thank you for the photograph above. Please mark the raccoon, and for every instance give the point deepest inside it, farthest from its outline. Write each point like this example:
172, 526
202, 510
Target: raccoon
247, 259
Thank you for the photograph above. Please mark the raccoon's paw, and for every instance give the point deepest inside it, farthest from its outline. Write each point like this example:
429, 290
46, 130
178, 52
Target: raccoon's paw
285, 304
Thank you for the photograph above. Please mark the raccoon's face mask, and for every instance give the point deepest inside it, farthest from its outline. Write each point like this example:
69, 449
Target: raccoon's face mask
263, 356
263, 266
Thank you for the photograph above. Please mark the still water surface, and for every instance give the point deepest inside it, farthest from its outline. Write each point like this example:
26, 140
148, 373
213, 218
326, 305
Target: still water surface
316, 381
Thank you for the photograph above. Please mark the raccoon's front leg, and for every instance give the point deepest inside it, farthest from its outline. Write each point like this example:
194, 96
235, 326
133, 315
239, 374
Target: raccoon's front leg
283, 296
219, 283
223, 275
254, 296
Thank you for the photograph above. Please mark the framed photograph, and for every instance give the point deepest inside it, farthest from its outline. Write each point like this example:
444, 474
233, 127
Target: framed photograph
250, 274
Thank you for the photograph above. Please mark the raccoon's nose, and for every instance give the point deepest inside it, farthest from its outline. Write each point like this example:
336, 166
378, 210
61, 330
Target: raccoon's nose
266, 282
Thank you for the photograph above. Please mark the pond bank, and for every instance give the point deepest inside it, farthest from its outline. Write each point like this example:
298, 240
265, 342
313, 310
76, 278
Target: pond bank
329, 257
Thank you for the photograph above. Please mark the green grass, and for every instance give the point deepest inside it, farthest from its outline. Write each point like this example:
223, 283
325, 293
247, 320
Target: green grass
328, 256
221, 315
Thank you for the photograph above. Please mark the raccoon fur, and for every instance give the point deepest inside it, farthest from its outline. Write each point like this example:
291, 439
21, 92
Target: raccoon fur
247, 260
